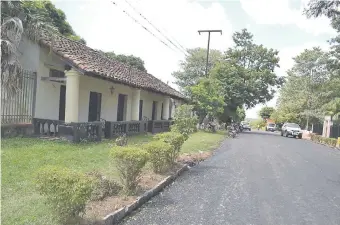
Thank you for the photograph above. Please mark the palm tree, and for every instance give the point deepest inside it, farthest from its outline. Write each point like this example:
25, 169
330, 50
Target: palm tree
18, 21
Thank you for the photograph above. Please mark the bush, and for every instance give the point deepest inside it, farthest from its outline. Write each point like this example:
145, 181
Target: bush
160, 155
129, 161
184, 123
327, 141
103, 186
175, 139
66, 191
121, 140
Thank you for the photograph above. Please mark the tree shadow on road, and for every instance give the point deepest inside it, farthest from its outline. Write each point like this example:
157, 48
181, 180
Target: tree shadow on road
261, 133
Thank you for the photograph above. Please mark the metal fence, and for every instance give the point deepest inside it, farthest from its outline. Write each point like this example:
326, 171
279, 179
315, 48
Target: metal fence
318, 128
335, 131
18, 108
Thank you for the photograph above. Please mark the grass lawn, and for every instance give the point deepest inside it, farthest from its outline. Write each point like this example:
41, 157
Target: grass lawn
22, 157
203, 141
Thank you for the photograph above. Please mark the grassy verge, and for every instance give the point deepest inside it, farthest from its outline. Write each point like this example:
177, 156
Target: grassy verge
203, 142
22, 157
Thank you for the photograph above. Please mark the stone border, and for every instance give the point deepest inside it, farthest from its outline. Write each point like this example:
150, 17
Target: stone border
119, 214
336, 148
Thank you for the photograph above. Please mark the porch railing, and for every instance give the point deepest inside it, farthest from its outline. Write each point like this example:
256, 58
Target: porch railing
75, 132
113, 129
93, 131
157, 126
46, 126
83, 131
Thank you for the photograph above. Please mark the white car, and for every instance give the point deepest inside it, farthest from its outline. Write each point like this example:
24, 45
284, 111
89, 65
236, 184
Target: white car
246, 126
291, 129
271, 127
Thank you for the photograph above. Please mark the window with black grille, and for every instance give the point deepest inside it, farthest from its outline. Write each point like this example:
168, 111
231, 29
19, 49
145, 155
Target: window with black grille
56, 73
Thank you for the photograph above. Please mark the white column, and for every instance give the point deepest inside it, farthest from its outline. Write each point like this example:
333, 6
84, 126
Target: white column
72, 96
135, 104
166, 108
159, 110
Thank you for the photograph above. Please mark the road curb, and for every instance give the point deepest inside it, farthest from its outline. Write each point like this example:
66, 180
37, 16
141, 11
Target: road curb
118, 215
336, 148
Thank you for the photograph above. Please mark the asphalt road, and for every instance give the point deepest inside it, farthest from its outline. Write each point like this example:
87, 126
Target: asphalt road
256, 178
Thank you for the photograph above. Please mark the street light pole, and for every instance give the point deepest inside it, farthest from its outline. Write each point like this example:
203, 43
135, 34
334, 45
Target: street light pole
209, 31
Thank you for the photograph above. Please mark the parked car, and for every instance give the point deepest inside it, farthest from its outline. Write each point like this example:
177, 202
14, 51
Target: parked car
245, 126
271, 127
291, 129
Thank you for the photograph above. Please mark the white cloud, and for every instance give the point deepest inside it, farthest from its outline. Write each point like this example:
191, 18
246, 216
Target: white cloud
105, 26
271, 12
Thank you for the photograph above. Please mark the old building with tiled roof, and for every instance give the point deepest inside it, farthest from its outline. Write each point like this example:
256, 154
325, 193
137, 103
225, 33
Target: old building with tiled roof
91, 62
73, 85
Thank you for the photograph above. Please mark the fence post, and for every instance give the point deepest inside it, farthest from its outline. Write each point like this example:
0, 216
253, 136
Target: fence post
35, 80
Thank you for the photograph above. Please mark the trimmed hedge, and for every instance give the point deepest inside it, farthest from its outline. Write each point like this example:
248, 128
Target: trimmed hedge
322, 140
175, 139
159, 155
129, 161
66, 191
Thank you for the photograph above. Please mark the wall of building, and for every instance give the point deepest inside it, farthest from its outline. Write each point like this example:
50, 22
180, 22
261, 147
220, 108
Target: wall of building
29, 55
42, 60
48, 93
109, 105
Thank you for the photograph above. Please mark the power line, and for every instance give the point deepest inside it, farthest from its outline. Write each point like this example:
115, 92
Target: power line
183, 50
136, 21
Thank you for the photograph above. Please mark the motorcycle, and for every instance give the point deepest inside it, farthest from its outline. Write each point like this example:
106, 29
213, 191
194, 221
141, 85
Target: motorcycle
231, 131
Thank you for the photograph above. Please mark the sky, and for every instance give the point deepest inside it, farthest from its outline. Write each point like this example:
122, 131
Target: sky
119, 26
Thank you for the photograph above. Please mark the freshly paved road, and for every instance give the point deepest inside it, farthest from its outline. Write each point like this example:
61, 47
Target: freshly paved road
257, 178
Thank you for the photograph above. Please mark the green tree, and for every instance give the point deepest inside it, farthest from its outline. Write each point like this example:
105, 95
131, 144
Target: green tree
240, 114
332, 108
330, 9
207, 98
313, 86
254, 66
53, 16
16, 22
247, 74
192, 68
266, 112
132, 60
331, 88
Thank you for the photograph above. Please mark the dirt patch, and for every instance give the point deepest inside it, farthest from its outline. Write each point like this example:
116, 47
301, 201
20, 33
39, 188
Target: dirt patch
96, 210
149, 180
193, 158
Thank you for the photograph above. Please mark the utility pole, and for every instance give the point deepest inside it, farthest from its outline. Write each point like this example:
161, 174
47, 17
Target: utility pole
308, 97
209, 31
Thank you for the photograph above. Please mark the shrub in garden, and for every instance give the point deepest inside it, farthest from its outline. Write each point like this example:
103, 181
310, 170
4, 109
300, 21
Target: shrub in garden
175, 139
160, 155
129, 161
316, 138
184, 123
319, 139
103, 186
66, 191
121, 140
330, 141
